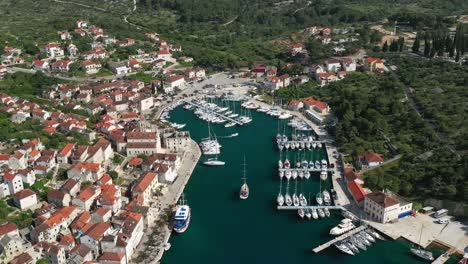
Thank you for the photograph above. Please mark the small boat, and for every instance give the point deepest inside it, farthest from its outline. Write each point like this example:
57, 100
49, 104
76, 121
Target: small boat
344, 226
327, 212
323, 175
167, 246
294, 174
281, 174
317, 164
311, 164
326, 197
314, 213
288, 175
302, 200
286, 145
375, 234
367, 236
363, 239
344, 248
280, 199
301, 213
288, 199
305, 164
321, 213
324, 164
214, 162
286, 164
307, 174
232, 135
351, 246
298, 164
358, 243
319, 198
308, 213
301, 174
295, 200
280, 164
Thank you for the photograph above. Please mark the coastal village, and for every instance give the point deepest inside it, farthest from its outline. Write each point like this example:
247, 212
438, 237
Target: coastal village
98, 196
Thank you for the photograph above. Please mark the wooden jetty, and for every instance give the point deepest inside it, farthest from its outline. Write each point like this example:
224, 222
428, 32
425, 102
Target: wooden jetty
213, 112
337, 239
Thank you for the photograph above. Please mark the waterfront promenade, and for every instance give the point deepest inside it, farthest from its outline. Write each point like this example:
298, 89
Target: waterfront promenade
189, 161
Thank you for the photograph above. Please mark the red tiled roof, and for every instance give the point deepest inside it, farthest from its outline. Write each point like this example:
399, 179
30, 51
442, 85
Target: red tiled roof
97, 231
144, 181
4, 157
314, 102
101, 211
9, 176
66, 150
22, 259
23, 194
356, 190
135, 161
112, 256
351, 175
382, 199
86, 194
373, 157
7, 227
141, 135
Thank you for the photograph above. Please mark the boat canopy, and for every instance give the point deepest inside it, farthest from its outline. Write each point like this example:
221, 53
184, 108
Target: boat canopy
182, 212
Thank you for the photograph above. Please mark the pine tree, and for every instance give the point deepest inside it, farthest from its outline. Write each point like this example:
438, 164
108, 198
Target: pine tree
385, 47
416, 45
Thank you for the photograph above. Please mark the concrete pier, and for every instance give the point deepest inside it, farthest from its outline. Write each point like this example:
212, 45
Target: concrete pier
331, 207
344, 236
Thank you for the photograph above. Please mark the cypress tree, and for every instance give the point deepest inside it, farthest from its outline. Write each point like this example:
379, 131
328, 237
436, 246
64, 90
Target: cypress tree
427, 47
457, 58
394, 46
385, 47
416, 45
401, 44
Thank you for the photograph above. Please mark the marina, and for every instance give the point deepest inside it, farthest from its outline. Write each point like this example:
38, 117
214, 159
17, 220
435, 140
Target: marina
214, 195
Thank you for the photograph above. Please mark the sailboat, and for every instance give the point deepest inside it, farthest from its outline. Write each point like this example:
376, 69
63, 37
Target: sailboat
244, 190
424, 254
295, 198
319, 197
280, 198
287, 197
301, 213
214, 162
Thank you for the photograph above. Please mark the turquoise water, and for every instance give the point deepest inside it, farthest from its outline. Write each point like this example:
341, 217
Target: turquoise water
225, 229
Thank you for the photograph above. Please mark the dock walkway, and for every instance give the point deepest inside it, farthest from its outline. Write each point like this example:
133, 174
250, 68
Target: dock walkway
213, 112
337, 239
444, 257
308, 169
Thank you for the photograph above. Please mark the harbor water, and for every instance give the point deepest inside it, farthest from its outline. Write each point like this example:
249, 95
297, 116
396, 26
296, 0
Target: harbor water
225, 229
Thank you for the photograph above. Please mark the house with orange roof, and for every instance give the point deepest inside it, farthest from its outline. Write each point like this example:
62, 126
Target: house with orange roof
110, 197
374, 64
295, 105
82, 223
51, 251
67, 241
24, 258
90, 67
371, 159
352, 175
101, 214
18, 161
145, 187
85, 199
311, 103
8, 229
81, 254
63, 157
51, 227
112, 258
94, 235
71, 186
85, 171
357, 192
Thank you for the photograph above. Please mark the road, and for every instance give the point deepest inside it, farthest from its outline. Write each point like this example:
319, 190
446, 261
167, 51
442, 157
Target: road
80, 4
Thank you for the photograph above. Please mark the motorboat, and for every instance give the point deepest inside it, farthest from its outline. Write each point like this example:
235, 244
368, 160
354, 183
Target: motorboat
321, 213
286, 164
324, 163
344, 226
319, 198
326, 197
288, 199
281, 174
302, 200
375, 234
363, 239
327, 212
314, 213
317, 164
344, 248
294, 174
214, 162
280, 164
295, 200
308, 213
230, 124
301, 213
167, 246
280, 199
307, 174
351, 246
424, 254
288, 175
323, 175
358, 243
301, 174
367, 236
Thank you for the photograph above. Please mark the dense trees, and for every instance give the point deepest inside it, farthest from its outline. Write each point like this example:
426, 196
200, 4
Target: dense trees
372, 112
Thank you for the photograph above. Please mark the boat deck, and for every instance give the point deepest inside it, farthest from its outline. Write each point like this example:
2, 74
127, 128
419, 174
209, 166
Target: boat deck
213, 112
292, 207
337, 239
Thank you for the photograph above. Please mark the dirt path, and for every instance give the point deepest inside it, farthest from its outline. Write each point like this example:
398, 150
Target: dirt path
80, 4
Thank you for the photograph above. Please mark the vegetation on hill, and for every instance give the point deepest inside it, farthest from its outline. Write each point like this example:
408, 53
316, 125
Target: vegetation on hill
374, 114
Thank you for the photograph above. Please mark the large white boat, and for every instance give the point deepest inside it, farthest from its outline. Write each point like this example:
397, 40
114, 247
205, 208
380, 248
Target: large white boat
182, 217
244, 190
284, 115
214, 162
323, 175
343, 227
326, 197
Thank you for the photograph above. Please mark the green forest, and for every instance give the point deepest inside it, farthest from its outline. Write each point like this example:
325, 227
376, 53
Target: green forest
373, 112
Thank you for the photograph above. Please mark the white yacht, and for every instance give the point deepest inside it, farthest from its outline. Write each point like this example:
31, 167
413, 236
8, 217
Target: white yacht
326, 197
244, 191
323, 175
320, 213
344, 226
314, 213
308, 213
214, 162
301, 213
344, 248
288, 199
